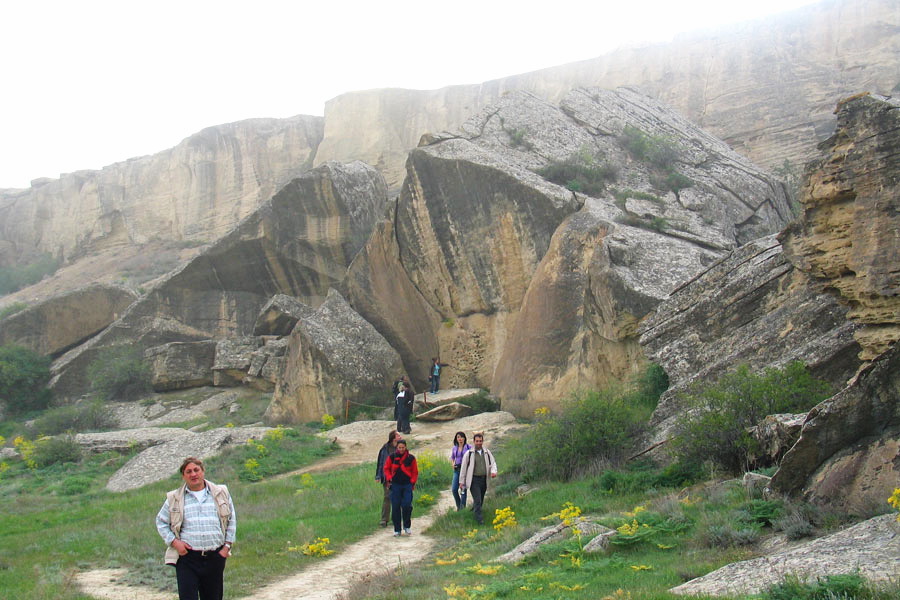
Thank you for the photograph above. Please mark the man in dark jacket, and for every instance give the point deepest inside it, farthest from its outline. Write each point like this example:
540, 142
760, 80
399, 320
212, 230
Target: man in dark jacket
383, 454
402, 472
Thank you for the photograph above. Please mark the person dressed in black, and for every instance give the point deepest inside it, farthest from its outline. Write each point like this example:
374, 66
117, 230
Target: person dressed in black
404, 404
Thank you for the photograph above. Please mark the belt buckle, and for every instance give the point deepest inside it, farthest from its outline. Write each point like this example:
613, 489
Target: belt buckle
203, 553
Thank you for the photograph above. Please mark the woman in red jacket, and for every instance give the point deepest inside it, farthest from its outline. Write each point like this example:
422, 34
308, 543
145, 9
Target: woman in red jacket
402, 472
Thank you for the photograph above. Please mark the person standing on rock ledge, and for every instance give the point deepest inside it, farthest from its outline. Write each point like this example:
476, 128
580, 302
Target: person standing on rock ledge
435, 376
198, 523
402, 472
476, 464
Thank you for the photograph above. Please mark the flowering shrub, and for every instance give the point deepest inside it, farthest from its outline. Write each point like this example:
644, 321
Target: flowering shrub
275, 435
541, 412
26, 451
425, 500
503, 518
470, 534
258, 447
894, 501
327, 421
4, 467
429, 471
318, 547
641, 568
251, 470
451, 559
485, 569
619, 594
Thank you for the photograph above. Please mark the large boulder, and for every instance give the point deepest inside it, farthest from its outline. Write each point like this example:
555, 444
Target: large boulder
333, 356
179, 365
846, 239
528, 288
848, 454
298, 243
62, 322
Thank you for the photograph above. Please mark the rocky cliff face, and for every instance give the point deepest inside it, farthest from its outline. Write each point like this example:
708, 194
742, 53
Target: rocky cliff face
197, 191
522, 284
848, 237
765, 87
299, 243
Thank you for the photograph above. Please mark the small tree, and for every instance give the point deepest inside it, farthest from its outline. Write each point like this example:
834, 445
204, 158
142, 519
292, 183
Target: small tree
120, 373
24, 375
719, 415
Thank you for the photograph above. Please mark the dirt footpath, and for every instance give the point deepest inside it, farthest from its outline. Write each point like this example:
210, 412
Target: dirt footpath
371, 556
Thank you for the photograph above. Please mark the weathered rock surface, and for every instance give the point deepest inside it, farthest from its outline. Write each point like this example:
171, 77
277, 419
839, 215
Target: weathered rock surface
130, 415
766, 87
848, 454
179, 365
333, 356
445, 412
527, 288
871, 548
555, 533
198, 190
299, 243
847, 237
752, 307
775, 436
279, 315
59, 323
161, 461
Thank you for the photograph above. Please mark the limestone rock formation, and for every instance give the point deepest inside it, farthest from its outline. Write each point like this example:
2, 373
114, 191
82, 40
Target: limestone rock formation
520, 283
751, 307
197, 191
848, 237
62, 322
333, 356
279, 315
298, 243
179, 365
766, 87
871, 548
848, 454
445, 412
588, 528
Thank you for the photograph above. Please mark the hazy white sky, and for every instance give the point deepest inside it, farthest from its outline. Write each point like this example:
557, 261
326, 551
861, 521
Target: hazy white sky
88, 83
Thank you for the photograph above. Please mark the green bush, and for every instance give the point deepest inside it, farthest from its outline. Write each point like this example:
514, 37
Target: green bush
91, 416
55, 450
24, 375
642, 477
13, 279
714, 426
660, 151
120, 373
12, 309
850, 586
74, 485
594, 431
481, 402
582, 172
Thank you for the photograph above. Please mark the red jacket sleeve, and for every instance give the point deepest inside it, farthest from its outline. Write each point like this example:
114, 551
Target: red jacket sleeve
414, 475
388, 468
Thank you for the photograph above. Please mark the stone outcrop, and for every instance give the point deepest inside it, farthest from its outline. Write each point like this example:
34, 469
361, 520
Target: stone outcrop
775, 434
870, 548
333, 356
445, 412
279, 315
179, 365
298, 243
62, 322
197, 191
751, 307
587, 527
527, 288
766, 87
161, 461
847, 237
848, 454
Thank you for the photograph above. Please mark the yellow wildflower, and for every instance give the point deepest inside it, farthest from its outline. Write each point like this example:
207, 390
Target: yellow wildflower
894, 501
485, 569
641, 567
504, 517
637, 510
619, 594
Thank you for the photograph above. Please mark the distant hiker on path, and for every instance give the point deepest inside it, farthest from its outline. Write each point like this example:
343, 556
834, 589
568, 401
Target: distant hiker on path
402, 472
435, 375
198, 523
460, 447
395, 389
404, 404
477, 463
389, 448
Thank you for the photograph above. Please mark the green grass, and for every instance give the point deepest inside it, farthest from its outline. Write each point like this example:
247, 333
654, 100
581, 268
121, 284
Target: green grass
60, 519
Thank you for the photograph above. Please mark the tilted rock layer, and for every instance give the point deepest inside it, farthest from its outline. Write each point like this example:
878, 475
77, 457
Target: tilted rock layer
848, 237
299, 243
520, 283
766, 87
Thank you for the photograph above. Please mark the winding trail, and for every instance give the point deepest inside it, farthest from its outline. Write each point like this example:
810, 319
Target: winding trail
371, 556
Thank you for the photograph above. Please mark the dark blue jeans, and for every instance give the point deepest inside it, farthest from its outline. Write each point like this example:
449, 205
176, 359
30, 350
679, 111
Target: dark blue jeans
401, 505
435, 383
454, 487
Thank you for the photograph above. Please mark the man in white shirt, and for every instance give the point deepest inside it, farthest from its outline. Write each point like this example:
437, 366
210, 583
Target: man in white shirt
476, 465
198, 524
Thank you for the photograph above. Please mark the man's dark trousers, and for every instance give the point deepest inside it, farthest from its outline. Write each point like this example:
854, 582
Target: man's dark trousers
478, 489
401, 505
200, 574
